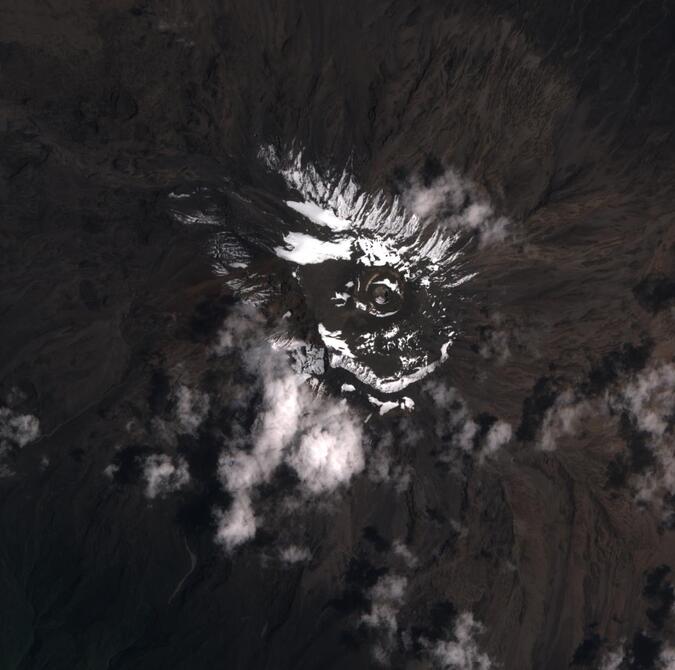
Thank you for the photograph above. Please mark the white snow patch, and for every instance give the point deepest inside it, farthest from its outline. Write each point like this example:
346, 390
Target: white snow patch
307, 250
385, 406
332, 339
324, 217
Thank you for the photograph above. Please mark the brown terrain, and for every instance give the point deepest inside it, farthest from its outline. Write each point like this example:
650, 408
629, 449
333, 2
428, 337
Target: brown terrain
563, 113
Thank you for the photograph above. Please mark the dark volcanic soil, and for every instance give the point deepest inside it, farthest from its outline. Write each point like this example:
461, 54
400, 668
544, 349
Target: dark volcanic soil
562, 112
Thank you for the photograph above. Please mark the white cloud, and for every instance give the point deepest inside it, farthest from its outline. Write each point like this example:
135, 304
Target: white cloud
496, 346
562, 418
454, 417
612, 659
667, 658
329, 452
192, 407
294, 554
242, 327
462, 652
17, 430
454, 421
162, 476
455, 203
649, 399
238, 524
401, 550
498, 435
319, 437
382, 468
495, 340
386, 599
111, 470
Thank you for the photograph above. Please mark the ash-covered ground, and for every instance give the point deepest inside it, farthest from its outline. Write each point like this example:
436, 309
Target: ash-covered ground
337, 335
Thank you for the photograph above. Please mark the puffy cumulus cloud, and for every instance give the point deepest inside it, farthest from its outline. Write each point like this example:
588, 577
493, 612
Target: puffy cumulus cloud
667, 658
238, 524
455, 420
500, 336
318, 437
163, 476
192, 407
402, 551
295, 554
649, 400
456, 426
564, 417
612, 659
495, 346
456, 203
616, 659
17, 430
329, 451
462, 652
242, 331
386, 598
499, 434
382, 467
111, 470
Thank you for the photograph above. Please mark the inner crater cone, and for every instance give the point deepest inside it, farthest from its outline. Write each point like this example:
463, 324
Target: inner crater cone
382, 288
381, 294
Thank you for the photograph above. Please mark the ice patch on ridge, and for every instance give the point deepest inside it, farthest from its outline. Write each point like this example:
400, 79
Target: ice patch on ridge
385, 406
387, 384
307, 250
323, 217
408, 238
384, 232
